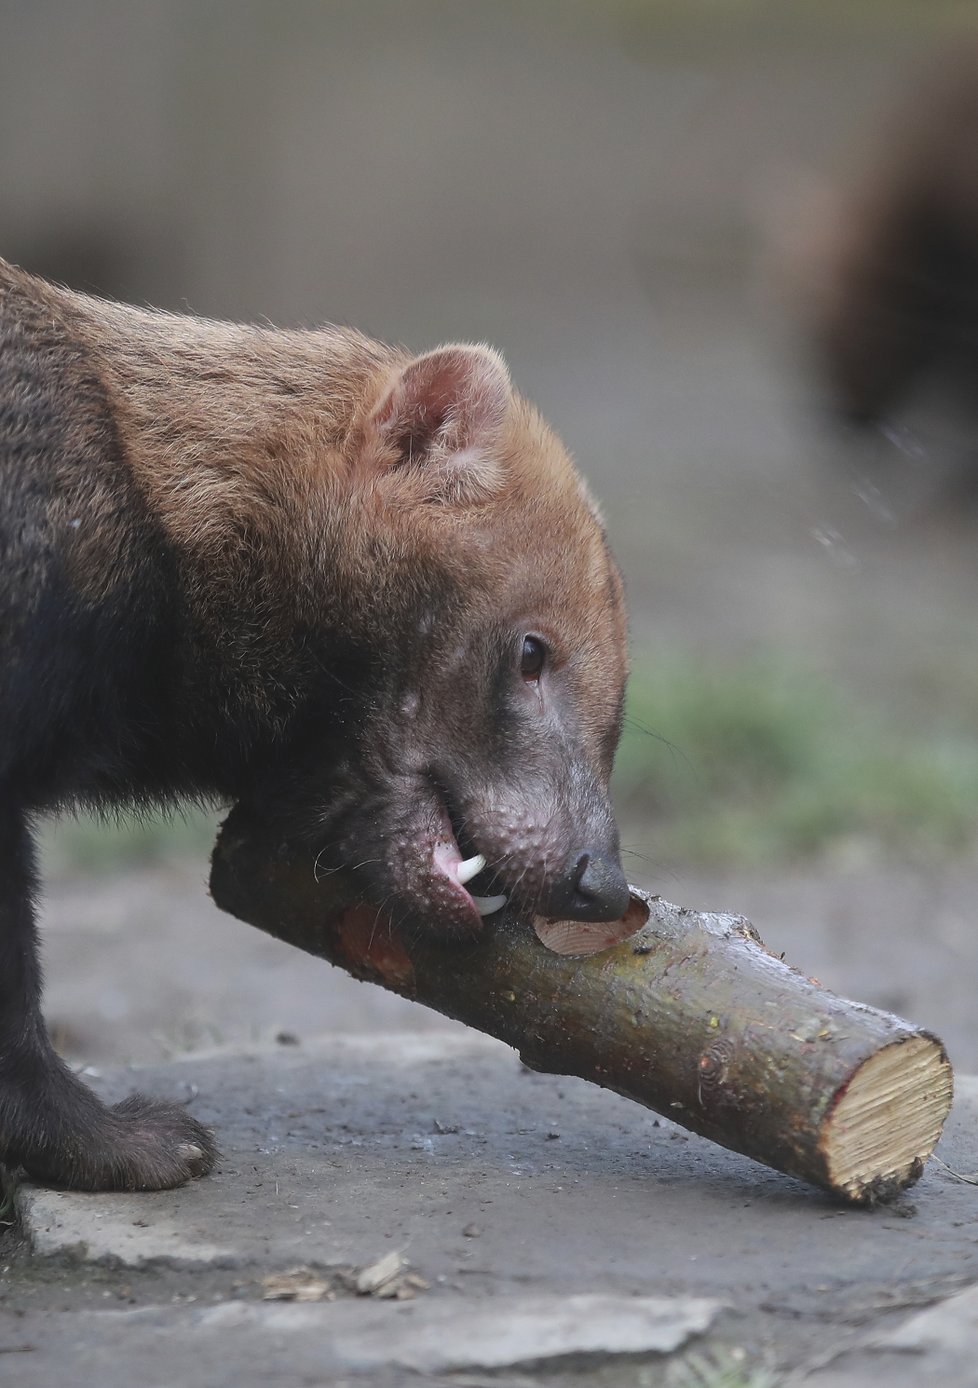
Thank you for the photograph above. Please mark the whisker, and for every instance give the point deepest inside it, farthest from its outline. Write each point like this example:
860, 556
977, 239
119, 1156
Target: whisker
677, 752
376, 921
636, 853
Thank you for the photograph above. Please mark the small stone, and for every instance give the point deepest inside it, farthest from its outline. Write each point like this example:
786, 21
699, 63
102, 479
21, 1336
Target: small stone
471, 1231
375, 1279
298, 1284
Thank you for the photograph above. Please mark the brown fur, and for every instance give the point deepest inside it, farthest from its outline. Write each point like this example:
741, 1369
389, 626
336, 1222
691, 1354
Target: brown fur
241, 437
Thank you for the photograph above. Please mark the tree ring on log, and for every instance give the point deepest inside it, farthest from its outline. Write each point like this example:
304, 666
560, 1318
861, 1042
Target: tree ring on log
890, 1111
584, 938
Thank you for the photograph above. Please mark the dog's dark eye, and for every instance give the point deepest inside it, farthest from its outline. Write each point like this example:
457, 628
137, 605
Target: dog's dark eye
532, 659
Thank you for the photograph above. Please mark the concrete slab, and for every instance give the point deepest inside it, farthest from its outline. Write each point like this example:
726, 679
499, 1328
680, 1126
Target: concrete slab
326, 1343
503, 1189
951, 1325
103, 1229
446, 1148
939, 1345
509, 1332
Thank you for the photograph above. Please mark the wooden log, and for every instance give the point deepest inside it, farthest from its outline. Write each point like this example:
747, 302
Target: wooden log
686, 1012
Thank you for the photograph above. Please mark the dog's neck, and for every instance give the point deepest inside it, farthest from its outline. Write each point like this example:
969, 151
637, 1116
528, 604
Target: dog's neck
189, 391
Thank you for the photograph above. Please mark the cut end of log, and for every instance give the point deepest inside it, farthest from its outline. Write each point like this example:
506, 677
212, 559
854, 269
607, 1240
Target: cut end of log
886, 1121
579, 939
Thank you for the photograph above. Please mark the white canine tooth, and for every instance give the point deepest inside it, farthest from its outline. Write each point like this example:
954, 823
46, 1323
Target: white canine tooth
485, 905
470, 868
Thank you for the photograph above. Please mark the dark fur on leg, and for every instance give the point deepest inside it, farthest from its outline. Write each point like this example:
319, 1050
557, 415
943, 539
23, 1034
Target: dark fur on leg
62, 1135
50, 1123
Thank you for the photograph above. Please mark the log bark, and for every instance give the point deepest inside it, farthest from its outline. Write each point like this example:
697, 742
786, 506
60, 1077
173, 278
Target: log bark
683, 1011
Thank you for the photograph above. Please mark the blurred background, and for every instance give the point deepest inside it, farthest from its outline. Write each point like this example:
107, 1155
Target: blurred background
627, 198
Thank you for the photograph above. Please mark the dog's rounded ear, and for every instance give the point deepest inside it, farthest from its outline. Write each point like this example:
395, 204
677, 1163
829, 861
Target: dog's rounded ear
440, 418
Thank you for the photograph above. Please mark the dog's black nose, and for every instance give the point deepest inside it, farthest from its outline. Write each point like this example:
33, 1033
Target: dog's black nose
594, 889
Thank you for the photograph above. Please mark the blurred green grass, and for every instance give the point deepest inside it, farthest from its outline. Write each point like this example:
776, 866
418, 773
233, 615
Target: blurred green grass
759, 763
90, 845
765, 763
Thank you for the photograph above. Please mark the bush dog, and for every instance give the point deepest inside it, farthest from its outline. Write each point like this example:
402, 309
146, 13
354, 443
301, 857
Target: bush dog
362, 590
